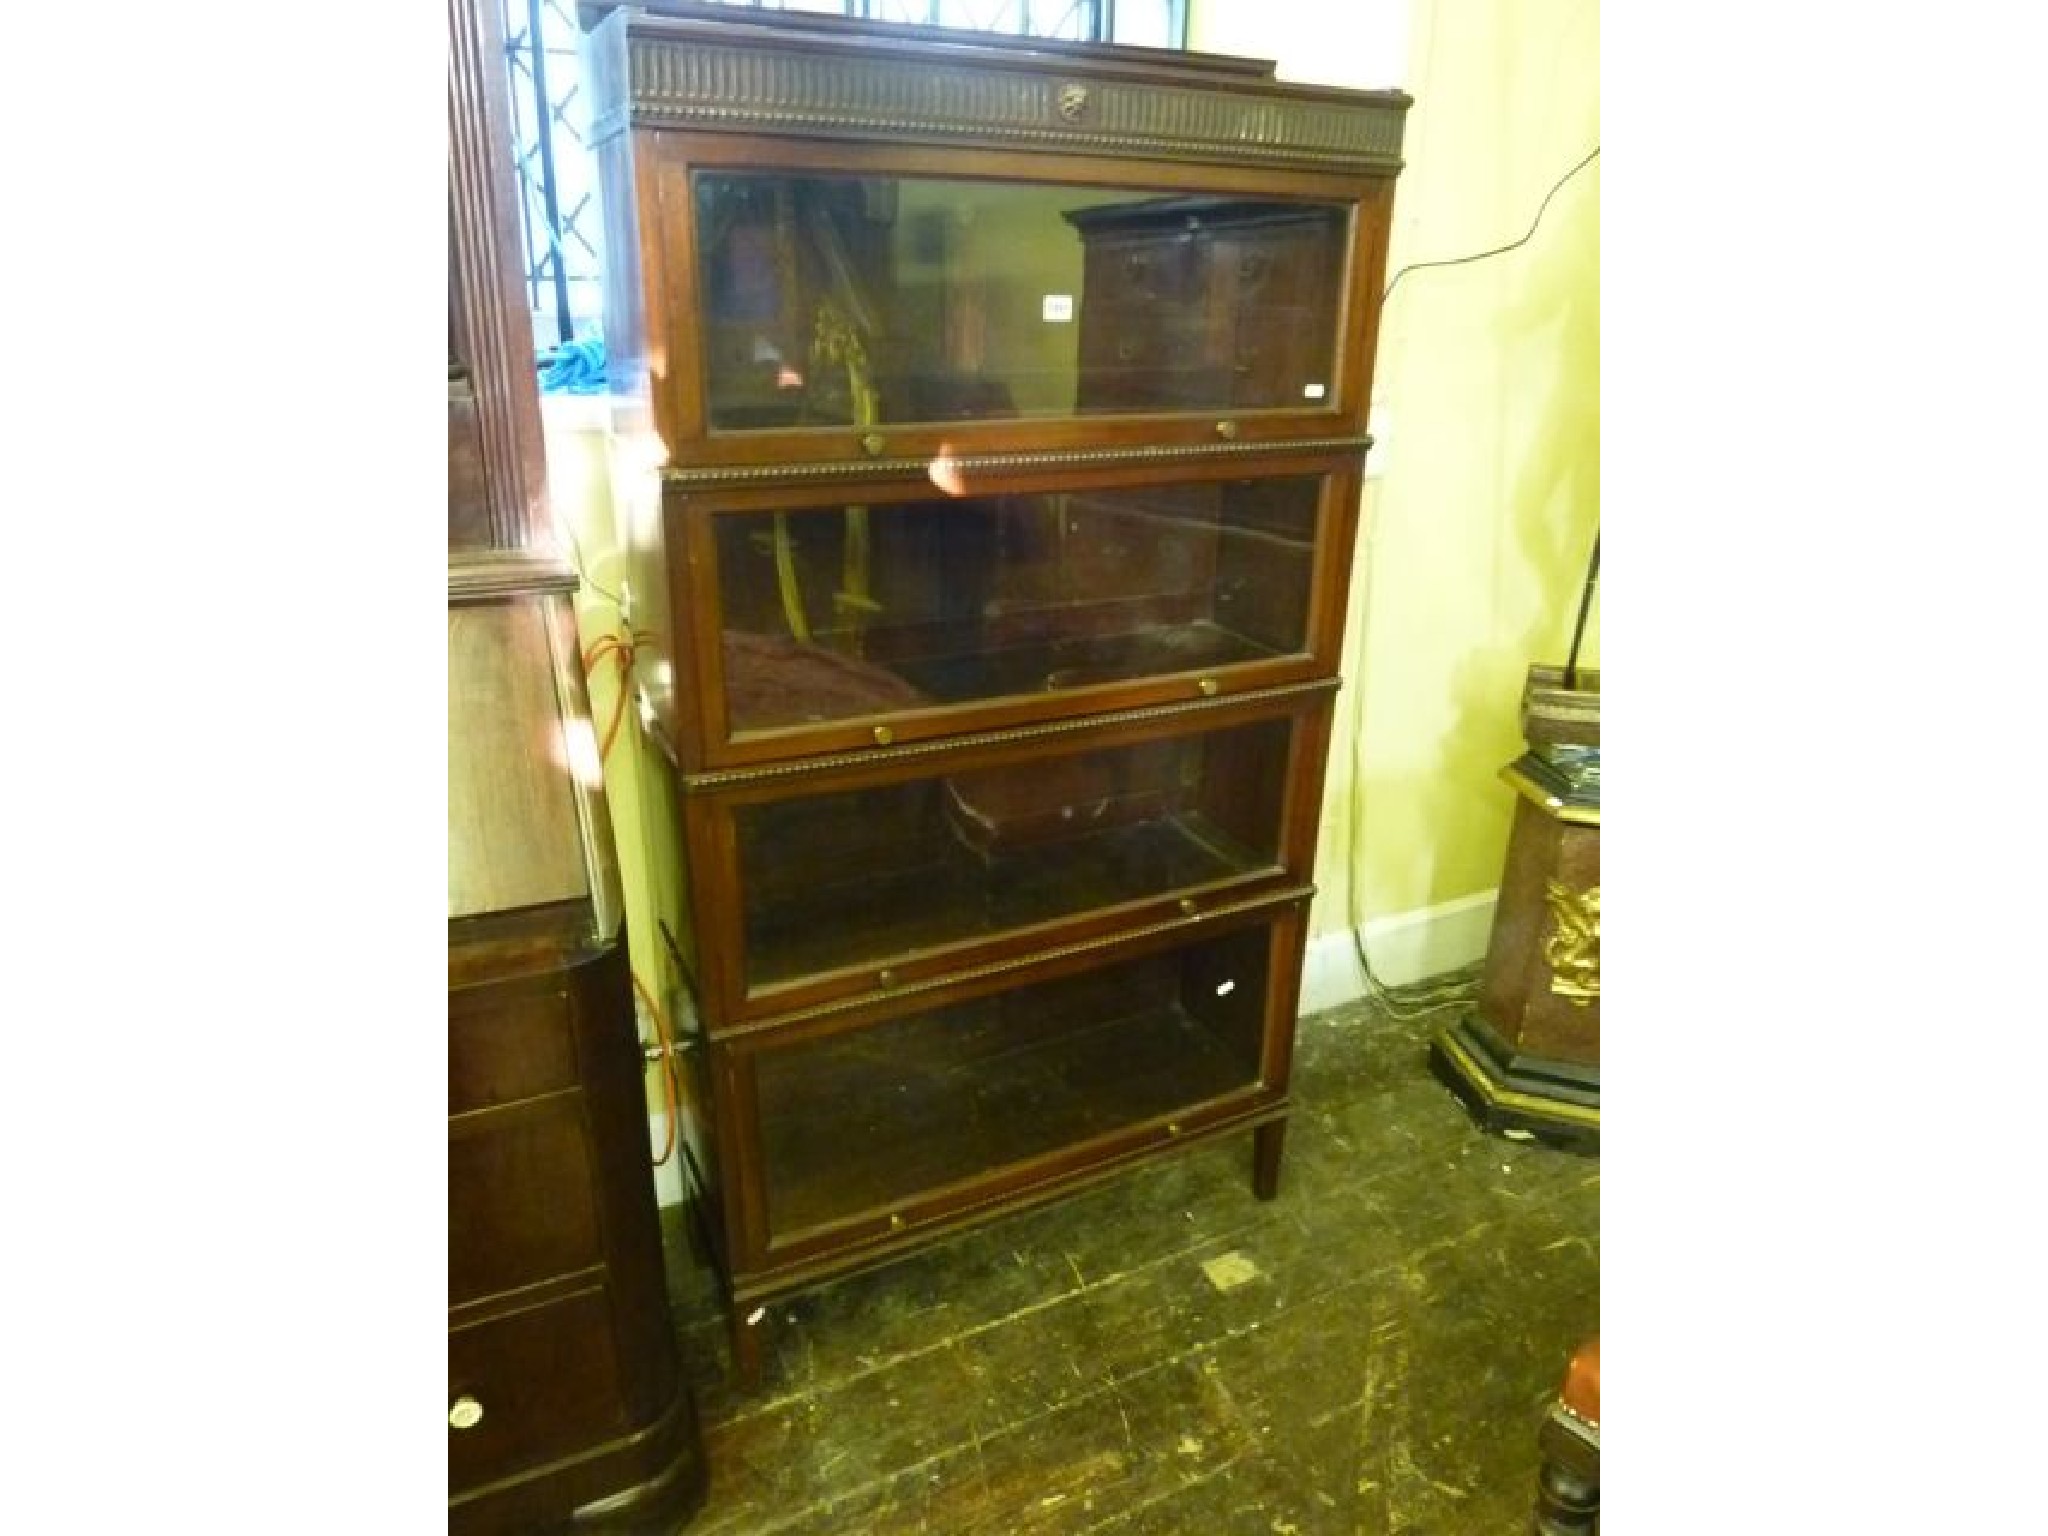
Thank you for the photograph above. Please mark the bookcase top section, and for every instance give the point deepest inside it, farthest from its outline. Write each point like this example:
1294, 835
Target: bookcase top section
806, 76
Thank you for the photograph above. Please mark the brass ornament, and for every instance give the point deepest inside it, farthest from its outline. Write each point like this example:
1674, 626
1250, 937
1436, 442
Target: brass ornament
1073, 100
1573, 948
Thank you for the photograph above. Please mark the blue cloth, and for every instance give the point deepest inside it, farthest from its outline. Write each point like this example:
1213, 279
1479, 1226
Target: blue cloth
576, 368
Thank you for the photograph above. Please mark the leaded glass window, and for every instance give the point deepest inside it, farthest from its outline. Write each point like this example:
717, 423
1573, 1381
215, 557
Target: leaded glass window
563, 224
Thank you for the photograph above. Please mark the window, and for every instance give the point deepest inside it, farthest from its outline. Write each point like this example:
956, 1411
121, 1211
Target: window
563, 224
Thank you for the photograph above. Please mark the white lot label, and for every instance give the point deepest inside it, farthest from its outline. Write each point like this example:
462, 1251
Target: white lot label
1058, 308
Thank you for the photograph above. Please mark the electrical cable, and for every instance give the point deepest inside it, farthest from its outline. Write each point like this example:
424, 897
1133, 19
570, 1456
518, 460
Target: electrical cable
1419, 999
621, 648
1498, 250
582, 568
670, 1093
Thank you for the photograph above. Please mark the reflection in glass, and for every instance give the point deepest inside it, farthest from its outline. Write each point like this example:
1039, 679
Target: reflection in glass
864, 876
860, 301
862, 1121
839, 612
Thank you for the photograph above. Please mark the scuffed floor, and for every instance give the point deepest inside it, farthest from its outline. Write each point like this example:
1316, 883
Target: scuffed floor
1165, 1355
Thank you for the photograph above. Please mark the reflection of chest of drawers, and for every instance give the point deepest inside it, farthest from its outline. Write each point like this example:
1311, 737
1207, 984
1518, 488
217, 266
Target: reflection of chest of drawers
998, 710
1206, 302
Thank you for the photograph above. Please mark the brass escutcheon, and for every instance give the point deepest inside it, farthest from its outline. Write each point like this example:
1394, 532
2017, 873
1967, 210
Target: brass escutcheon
1187, 906
1207, 687
873, 444
883, 735
1227, 430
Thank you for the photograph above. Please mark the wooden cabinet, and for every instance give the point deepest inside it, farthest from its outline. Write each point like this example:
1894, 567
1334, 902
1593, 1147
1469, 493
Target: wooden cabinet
566, 1401
1012, 397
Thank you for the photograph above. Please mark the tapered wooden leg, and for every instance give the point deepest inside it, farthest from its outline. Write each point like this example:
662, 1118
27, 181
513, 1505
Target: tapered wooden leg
1267, 1142
745, 1339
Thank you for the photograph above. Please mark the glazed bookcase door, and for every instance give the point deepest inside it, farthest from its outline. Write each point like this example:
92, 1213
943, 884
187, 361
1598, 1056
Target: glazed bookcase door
848, 885
880, 1125
840, 300
818, 623
852, 310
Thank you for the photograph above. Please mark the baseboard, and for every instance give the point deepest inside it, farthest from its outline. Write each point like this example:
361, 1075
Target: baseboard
668, 1176
1404, 947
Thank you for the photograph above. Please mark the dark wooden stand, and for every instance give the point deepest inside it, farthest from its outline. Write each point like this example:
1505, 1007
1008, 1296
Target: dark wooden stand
1527, 1057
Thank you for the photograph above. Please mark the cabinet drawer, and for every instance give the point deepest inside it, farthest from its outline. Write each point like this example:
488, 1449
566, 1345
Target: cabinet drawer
521, 1198
876, 1129
530, 1387
510, 1040
849, 886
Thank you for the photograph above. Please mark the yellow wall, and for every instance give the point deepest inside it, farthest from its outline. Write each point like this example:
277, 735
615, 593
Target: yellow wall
1488, 388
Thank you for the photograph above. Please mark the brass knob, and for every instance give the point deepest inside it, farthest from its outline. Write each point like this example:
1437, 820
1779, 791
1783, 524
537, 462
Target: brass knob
1207, 687
1227, 430
465, 1413
873, 444
895, 1222
885, 977
1187, 906
1173, 1128
883, 735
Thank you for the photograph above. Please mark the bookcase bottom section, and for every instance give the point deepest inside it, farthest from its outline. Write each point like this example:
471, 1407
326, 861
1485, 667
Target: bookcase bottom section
871, 1139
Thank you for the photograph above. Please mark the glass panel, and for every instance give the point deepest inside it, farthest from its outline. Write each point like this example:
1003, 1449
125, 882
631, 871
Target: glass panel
872, 875
850, 611
840, 300
865, 1120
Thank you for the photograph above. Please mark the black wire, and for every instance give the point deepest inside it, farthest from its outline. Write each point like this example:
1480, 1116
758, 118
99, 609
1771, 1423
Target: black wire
1499, 250
1432, 994
576, 558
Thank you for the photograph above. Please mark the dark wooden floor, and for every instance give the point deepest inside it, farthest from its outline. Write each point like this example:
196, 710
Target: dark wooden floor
1164, 1355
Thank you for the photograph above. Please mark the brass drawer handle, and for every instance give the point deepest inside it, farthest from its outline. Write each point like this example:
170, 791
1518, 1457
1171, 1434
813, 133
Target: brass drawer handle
883, 735
1173, 1128
465, 1413
1208, 687
1187, 906
895, 1222
1227, 430
885, 977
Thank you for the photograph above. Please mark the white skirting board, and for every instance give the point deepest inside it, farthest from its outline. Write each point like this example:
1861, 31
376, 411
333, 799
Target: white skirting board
668, 1176
1405, 947
1408, 946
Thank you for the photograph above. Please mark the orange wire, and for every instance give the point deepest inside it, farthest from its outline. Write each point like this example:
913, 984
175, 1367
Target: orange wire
621, 650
